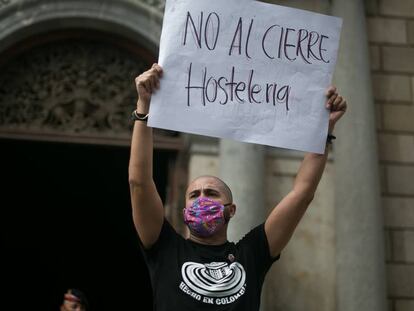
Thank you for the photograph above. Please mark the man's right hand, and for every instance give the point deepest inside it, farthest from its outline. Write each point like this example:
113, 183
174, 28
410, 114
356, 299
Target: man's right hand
147, 83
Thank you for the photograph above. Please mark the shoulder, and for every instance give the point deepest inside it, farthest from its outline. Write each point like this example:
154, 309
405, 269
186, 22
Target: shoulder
255, 234
167, 237
256, 242
168, 233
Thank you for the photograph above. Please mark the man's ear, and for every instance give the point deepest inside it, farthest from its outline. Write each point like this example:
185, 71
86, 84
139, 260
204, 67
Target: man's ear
232, 209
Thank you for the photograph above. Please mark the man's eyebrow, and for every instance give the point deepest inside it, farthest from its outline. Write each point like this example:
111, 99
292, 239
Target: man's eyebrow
211, 190
194, 191
204, 190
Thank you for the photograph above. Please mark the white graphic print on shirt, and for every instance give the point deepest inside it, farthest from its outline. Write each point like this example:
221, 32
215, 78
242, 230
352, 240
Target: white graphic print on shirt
214, 283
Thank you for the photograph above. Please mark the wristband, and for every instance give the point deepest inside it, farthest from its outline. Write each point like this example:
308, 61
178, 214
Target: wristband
135, 116
330, 138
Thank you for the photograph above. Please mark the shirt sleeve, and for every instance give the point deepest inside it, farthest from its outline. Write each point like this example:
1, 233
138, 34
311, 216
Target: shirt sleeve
256, 243
167, 238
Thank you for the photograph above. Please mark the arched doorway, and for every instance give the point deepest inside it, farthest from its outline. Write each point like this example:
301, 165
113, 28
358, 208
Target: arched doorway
65, 217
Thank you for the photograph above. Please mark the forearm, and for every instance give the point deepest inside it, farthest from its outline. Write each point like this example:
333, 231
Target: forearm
313, 165
147, 208
309, 174
140, 164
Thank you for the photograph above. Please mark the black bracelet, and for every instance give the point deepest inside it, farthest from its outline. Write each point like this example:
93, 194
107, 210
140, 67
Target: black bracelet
330, 138
135, 116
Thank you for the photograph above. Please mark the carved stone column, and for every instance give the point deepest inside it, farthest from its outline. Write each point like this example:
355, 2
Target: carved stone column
359, 222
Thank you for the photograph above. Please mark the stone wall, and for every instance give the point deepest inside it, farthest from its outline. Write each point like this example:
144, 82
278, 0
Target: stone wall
391, 38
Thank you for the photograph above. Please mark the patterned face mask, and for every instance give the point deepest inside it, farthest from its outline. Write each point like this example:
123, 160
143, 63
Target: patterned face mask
205, 216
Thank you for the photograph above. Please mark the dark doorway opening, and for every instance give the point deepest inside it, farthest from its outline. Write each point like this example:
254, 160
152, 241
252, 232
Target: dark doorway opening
65, 221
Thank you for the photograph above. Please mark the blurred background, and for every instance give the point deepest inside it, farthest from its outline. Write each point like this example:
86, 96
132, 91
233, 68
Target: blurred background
67, 89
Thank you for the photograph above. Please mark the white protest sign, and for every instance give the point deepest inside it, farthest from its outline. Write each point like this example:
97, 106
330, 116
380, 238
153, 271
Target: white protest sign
247, 71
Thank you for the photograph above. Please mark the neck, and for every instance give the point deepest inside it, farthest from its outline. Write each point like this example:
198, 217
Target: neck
218, 238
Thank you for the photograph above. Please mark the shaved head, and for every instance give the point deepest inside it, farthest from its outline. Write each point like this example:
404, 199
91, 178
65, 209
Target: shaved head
225, 190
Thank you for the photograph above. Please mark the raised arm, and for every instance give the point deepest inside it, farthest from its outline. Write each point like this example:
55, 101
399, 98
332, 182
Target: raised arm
147, 208
284, 218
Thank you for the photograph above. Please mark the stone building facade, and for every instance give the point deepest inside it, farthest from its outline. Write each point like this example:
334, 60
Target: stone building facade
354, 249
391, 41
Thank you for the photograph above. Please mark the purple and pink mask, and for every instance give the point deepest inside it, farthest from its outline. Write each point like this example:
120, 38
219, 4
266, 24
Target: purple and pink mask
205, 216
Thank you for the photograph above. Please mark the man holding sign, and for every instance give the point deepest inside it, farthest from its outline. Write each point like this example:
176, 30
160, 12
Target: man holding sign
206, 271
251, 72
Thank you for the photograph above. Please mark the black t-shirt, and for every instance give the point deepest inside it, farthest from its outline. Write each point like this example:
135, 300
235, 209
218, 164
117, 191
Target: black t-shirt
190, 276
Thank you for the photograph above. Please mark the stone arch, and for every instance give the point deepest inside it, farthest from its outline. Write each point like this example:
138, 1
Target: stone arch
135, 19
130, 26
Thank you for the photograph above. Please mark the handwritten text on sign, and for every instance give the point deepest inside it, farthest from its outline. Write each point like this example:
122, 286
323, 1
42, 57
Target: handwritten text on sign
248, 71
